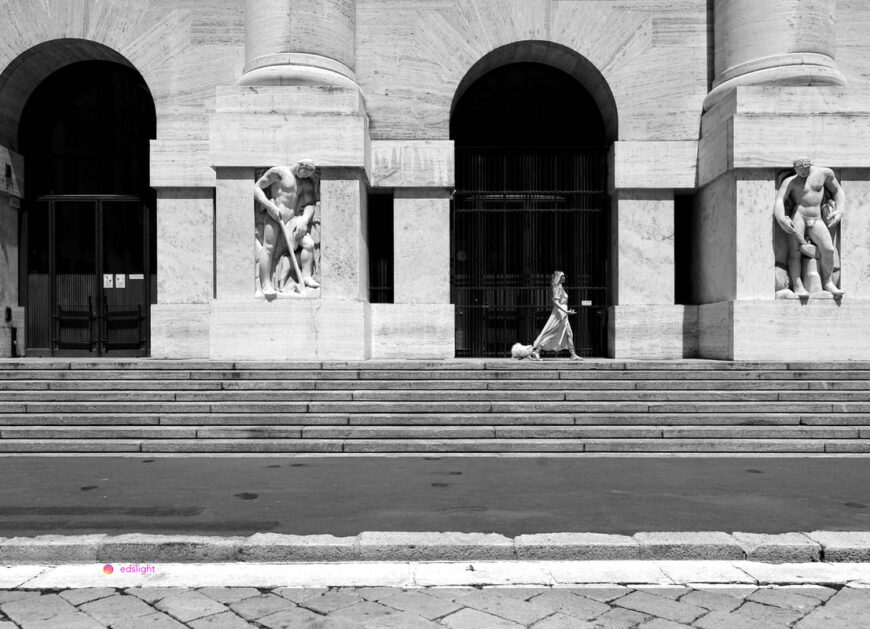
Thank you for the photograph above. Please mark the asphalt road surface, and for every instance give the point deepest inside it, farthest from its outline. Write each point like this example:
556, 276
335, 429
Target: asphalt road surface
511, 496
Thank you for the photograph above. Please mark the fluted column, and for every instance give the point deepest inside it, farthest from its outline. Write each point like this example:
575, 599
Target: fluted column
774, 42
300, 42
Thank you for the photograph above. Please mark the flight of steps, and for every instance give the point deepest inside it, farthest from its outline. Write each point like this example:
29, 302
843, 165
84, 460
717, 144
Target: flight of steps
457, 406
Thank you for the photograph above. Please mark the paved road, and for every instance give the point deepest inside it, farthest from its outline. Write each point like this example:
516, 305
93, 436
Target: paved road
512, 496
612, 607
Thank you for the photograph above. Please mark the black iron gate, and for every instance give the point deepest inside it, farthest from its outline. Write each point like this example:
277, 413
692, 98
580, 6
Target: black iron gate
89, 284
518, 215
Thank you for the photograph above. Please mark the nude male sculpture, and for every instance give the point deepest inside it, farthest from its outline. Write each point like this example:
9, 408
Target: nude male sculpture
289, 214
806, 190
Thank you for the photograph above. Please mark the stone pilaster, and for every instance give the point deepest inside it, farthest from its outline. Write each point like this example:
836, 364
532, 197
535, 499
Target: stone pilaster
11, 193
748, 136
644, 321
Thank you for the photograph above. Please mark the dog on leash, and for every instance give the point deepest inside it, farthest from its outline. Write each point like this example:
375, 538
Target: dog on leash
520, 351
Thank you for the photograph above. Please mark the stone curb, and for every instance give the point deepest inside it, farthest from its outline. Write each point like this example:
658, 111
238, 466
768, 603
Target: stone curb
827, 546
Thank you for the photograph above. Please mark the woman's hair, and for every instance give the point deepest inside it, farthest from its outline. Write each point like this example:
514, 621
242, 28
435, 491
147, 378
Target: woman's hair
557, 275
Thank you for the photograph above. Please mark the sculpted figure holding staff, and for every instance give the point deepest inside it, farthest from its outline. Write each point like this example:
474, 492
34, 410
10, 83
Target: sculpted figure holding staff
287, 227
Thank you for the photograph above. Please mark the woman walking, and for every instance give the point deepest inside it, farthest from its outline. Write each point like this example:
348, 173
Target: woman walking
557, 334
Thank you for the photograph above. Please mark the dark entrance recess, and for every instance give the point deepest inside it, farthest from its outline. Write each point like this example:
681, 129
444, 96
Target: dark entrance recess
88, 271
531, 197
380, 240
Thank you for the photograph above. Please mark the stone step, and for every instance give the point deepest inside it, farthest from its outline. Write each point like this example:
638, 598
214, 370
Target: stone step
428, 419
433, 432
494, 363
38, 387
360, 372
366, 407
428, 406
256, 399
412, 446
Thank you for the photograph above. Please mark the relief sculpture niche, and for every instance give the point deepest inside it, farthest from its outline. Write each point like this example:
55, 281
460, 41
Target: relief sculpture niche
287, 224
808, 208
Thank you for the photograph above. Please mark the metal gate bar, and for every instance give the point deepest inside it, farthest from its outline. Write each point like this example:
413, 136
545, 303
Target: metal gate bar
518, 215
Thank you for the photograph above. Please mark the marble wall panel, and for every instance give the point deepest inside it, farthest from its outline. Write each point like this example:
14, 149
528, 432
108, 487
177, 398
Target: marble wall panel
855, 234
185, 245
714, 242
179, 330
412, 164
716, 330
256, 140
820, 329
421, 245
767, 127
234, 234
775, 140
343, 249
412, 331
8, 251
181, 163
652, 165
660, 331
288, 99
11, 172
754, 260
644, 246
290, 329
19, 324
853, 24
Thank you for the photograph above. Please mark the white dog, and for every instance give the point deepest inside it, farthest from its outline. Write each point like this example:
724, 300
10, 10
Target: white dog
520, 351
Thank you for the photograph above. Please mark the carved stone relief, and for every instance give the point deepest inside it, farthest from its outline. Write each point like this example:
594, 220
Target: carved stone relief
287, 232
808, 208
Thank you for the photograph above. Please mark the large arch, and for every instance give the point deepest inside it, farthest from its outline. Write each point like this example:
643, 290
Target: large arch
29, 69
531, 125
556, 56
84, 118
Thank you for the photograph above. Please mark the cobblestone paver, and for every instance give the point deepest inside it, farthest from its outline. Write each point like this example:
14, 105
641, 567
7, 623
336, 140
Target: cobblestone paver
611, 607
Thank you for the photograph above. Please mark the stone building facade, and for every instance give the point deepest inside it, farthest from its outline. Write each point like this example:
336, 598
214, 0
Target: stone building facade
701, 107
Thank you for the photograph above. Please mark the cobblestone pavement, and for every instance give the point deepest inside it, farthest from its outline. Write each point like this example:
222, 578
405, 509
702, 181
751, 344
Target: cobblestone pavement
607, 607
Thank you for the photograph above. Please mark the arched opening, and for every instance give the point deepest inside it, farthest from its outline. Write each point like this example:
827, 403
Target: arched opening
531, 197
88, 230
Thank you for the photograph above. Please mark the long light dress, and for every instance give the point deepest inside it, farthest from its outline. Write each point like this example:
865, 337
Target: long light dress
557, 333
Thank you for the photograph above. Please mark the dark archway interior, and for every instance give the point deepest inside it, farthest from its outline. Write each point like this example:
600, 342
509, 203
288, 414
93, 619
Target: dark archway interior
86, 130
531, 179
529, 105
87, 272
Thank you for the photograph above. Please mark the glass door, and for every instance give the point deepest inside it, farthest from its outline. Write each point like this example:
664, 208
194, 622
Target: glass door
73, 261
88, 279
126, 281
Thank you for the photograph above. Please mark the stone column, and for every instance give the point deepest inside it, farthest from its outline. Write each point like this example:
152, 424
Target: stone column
775, 42
300, 42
